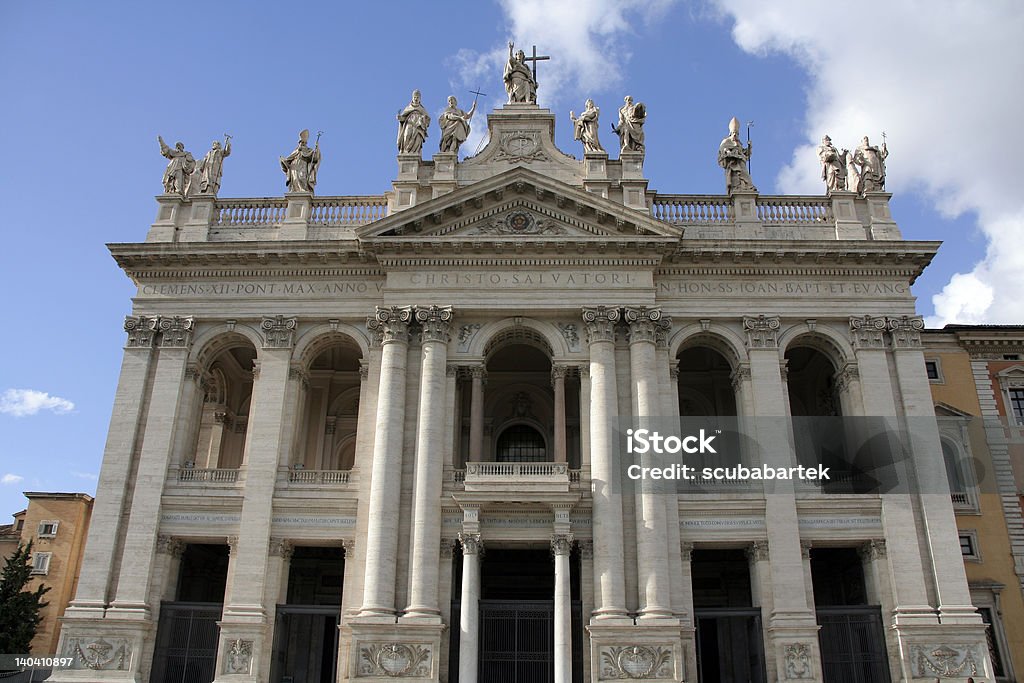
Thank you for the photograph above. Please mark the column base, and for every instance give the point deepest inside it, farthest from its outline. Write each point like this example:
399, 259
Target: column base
240, 651
945, 651
379, 652
654, 650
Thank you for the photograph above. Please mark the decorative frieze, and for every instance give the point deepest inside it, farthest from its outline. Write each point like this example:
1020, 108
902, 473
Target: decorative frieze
176, 331
99, 654
796, 659
866, 332
600, 322
278, 331
561, 544
905, 331
141, 331
238, 659
395, 660
643, 323
435, 323
762, 331
637, 662
390, 324
944, 661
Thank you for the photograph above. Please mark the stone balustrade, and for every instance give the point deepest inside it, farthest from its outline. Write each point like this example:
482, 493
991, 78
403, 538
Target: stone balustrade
214, 475
318, 477
249, 212
348, 210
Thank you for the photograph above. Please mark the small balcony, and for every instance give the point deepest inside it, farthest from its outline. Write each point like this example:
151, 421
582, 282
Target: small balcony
214, 475
518, 477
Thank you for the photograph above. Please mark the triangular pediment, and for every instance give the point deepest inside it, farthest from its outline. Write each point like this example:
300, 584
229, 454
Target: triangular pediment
519, 203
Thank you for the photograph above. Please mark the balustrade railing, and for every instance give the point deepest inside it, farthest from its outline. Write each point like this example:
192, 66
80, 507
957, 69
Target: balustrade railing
693, 209
250, 212
718, 210
348, 210
318, 476
516, 470
795, 210
223, 476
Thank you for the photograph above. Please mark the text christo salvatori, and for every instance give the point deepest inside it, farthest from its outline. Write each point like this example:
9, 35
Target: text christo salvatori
647, 442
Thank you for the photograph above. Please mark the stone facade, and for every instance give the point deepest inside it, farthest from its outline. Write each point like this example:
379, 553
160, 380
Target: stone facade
428, 377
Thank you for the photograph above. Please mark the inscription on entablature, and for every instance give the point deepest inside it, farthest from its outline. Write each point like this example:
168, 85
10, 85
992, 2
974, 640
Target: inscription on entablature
331, 288
741, 288
520, 279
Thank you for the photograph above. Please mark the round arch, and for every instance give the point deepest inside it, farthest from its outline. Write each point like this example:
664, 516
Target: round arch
533, 425
822, 338
542, 334
716, 336
314, 340
210, 342
346, 397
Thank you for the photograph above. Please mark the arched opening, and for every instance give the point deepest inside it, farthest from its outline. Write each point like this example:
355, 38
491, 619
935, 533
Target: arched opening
224, 415
521, 443
329, 408
812, 384
705, 383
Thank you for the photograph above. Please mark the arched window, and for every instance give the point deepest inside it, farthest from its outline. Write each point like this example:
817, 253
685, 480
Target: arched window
521, 443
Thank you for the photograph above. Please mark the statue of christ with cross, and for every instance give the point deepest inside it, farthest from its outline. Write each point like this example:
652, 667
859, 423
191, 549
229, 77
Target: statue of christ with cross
520, 81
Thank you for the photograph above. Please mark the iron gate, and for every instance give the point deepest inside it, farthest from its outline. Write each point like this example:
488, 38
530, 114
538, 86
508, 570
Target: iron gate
517, 641
186, 643
852, 642
730, 646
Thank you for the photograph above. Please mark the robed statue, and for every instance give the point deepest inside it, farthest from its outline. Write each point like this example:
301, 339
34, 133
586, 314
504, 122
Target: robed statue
870, 162
630, 128
585, 127
519, 81
833, 165
178, 174
300, 167
212, 166
413, 122
454, 125
733, 157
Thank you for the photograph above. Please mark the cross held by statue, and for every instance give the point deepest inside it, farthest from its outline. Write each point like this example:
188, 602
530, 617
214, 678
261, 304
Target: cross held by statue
536, 58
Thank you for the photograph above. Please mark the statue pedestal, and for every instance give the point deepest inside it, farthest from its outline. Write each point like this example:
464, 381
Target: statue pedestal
744, 211
197, 227
634, 185
595, 173
296, 223
405, 189
883, 227
168, 216
443, 181
844, 210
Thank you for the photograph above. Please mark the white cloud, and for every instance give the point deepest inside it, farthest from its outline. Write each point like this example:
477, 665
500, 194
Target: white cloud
9, 479
588, 36
22, 402
86, 475
943, 82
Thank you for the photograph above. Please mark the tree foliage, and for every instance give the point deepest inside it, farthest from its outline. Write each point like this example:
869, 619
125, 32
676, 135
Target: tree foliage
19, 608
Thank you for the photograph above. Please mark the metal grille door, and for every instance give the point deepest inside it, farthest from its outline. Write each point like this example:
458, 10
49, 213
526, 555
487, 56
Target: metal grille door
852, 645
186, 643
516, 641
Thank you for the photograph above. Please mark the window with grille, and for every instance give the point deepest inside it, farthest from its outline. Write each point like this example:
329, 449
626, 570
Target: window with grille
1017, 404
993, 645
521, 443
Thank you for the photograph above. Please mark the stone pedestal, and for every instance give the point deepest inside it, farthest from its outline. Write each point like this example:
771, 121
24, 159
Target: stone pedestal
383, 651
621, 650
848, 225
744, 210
443, 181
296, 222
197, 227
634, 186
405, 188
883, 227
107, 650
169, 214
595, 173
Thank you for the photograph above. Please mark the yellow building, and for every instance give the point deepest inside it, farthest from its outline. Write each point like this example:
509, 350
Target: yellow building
56, 524
960, 366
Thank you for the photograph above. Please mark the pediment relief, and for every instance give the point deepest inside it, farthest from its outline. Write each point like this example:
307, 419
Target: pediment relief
1011, 377
518, 203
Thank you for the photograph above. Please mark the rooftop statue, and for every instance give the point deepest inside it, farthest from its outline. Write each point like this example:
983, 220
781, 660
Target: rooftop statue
585, 127
412, 126
733, 157
179, 169
833, 165
300, 167
631, 126
520, 82
454, 125
870, 162
212, 166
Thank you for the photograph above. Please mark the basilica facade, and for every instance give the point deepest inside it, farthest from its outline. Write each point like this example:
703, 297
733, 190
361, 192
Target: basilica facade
369, 438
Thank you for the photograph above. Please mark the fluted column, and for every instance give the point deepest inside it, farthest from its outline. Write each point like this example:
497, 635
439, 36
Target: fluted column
558, 373
164, 401
112, 487
609, 570
654, 585
392, 326
561, 546
476, 413
469, 616
435, 322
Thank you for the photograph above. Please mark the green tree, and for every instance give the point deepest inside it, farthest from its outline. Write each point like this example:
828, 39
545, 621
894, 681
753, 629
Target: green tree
19, 608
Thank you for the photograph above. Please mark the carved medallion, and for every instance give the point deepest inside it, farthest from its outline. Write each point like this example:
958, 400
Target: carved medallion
520, 145
394, 660
520, 222
798, 661
99, 653
636, 662
952, 661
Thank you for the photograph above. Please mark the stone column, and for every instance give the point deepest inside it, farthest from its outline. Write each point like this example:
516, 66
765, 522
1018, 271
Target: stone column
101, 547
668, 384
609, 569
385, 488
911, 593
430, 443
654, 585
561, 546
558, 383
476, 414
245, 624
469, 617
157, 447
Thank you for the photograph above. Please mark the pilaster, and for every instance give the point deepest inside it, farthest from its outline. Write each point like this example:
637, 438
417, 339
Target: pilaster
634, 185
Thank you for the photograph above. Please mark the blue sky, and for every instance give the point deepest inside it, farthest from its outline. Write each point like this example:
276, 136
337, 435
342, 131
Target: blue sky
88, 87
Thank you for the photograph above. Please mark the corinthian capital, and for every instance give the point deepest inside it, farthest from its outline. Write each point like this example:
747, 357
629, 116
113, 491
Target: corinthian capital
905, 331
471, 544
762, 331
600, 322
866, 332
436, 322
141, 331
561, 544
390, 324
644, 323
278, 331
175, 332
